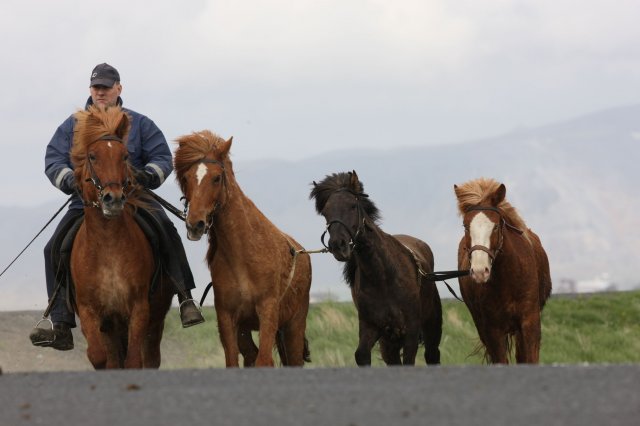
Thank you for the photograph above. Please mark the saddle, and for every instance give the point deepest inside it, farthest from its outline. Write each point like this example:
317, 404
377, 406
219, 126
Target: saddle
63, 243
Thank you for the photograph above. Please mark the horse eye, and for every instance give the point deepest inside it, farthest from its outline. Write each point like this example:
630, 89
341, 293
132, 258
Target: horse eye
92, 157
216, 179
495, 228
126, 157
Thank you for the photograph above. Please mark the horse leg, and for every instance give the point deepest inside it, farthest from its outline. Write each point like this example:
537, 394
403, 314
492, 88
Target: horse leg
496, 345
268, 316
410, 346
95, 346
158, 306
228, 331
432, 331
293, 344
247, 347
528, 340
112, 331
137, 330
368, 336
390, 352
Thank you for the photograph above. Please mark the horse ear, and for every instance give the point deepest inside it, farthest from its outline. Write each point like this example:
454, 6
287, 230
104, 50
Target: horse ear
499, 195
123, 126
226, 146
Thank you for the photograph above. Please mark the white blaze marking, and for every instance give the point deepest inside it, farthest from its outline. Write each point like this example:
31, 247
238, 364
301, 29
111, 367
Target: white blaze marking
201, 173
480, 230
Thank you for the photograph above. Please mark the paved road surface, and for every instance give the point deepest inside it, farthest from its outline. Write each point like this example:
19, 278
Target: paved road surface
493, 396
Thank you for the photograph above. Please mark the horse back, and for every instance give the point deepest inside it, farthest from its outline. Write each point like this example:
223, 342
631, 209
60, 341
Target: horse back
542, 262
421, 251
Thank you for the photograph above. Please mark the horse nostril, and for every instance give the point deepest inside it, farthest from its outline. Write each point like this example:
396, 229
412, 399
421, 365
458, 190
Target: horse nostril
107, 198
200, 225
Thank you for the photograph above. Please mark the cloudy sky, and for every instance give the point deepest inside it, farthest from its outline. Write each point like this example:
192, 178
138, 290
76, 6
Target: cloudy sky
291, 79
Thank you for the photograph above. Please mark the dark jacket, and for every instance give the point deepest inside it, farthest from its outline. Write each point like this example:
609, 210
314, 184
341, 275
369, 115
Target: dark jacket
147, 146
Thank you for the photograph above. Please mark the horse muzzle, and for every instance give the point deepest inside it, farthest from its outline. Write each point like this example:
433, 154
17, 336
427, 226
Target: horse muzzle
341, 250
111, 205
197, 230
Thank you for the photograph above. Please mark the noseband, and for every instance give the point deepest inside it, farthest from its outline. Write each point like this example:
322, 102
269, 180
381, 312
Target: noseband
361, 221
217, 204
95, 180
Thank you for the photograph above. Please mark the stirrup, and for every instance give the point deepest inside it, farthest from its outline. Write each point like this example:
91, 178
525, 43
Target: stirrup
35, 327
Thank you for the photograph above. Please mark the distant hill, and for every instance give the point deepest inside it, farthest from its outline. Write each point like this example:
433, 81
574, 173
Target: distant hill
574, 183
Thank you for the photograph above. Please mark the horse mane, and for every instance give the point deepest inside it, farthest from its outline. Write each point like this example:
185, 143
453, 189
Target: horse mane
337, 181
479, 192
91, 124
195, 147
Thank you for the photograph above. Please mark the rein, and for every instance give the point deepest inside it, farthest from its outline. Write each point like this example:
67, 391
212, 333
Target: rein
38, 234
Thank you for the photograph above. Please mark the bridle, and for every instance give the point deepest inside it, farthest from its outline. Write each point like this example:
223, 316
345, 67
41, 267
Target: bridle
493, 254
95, 180
361, 220
217, 205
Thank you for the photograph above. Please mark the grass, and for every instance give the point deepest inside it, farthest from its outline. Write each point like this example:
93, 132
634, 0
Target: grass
601, 328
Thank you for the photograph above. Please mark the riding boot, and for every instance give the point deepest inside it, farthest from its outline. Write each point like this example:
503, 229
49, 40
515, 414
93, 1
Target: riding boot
189, 313
59, 337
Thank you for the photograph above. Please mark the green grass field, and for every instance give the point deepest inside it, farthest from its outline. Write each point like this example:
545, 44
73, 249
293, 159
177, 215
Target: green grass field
601, 328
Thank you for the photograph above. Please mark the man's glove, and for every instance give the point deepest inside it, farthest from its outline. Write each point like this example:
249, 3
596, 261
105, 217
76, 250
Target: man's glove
68, 185
145, 177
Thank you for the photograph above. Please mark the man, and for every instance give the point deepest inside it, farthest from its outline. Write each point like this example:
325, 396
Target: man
150, 155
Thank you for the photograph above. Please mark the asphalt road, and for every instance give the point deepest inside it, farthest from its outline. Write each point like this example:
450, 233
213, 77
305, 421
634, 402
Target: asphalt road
514, 395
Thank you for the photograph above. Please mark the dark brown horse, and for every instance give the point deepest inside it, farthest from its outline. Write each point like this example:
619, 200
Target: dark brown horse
112, 262
261, 278
396, 304
509, 280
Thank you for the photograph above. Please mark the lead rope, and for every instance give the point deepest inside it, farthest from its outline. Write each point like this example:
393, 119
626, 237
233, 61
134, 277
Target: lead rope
437, 276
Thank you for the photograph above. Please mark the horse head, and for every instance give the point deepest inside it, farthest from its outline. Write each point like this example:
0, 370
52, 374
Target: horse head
483, 231
200, 165
341, 200
100, 158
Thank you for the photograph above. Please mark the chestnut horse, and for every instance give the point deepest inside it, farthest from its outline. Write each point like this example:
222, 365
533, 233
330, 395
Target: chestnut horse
396, 303
261, 277
112, 262
509, 279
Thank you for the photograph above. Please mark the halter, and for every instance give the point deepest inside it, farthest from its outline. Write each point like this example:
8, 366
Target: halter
503, 223
95, 180
361, 221
217, 204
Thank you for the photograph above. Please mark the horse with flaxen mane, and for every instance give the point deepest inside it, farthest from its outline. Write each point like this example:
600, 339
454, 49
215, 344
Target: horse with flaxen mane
112, 263
509, 279
396, 303
261, 277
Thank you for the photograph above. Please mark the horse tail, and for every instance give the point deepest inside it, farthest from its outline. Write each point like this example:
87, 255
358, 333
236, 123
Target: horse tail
306, 355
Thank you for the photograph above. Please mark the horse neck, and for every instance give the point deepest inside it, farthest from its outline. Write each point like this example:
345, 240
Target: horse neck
372, 252
237, 220
97, 225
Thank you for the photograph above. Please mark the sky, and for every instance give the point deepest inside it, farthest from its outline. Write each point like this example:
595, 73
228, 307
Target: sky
293, 79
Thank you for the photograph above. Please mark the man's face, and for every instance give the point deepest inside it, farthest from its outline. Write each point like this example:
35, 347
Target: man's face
104, 96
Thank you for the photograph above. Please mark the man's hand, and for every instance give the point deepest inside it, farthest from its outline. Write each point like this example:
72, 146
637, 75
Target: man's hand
145, 177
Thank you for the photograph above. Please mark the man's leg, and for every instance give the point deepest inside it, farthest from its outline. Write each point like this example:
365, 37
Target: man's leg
59, 337
179, 270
